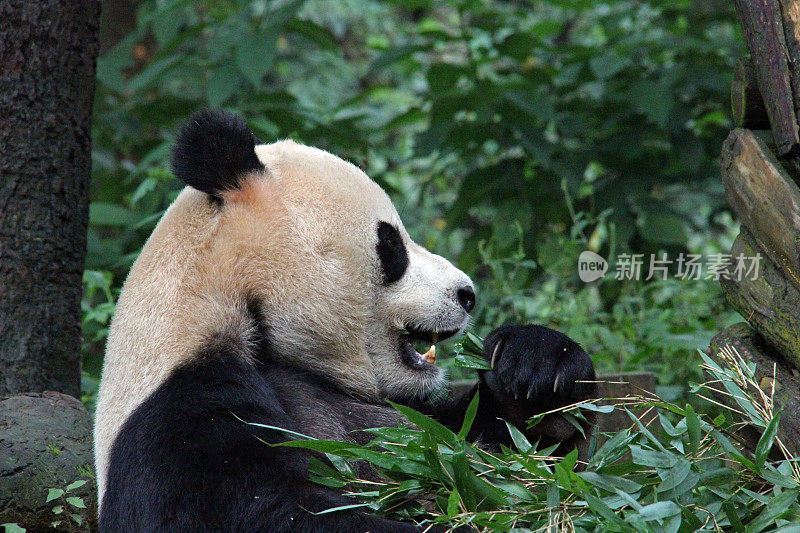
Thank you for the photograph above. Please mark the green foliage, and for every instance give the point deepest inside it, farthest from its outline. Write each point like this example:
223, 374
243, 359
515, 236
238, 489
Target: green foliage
687, 475
611, 100
624, 325
511, 135
469, 353
69, 511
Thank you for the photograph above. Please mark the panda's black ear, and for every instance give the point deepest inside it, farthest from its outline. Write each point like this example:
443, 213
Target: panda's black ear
213, 151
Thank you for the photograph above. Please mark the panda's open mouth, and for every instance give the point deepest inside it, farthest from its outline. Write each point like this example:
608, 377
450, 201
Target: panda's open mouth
415, 338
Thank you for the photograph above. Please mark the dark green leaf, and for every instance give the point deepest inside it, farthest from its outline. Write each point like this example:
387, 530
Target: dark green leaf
659, 510
693, 428
520, 441
426, 423
470, 361
469, 416
222, 83
104, 214
733, 517
254, 55
767, 440
775, 508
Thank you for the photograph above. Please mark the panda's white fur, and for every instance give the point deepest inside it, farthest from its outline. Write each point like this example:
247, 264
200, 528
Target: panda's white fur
300, 236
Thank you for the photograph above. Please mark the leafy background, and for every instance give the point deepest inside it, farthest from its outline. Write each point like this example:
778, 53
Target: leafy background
512, 135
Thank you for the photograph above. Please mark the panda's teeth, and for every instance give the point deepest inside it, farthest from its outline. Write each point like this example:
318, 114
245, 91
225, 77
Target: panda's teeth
430, 355
417, 348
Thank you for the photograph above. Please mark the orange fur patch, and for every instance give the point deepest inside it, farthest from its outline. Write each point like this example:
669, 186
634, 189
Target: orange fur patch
250, 191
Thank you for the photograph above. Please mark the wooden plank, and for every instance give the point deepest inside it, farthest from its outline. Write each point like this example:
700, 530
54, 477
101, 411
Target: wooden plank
764, 197
790, 14
768, 300
763, 31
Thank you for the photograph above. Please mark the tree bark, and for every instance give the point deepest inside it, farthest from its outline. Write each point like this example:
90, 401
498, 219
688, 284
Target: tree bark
48, 50
763, 31
765, 198
117, 20
767, 300
625, 385
747, 106
790, 14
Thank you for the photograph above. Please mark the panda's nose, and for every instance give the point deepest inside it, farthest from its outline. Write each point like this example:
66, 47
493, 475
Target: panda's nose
466, 297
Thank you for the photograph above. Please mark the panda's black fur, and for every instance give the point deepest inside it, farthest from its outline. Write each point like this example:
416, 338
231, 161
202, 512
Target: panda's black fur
186, 461
391, 252
213, 151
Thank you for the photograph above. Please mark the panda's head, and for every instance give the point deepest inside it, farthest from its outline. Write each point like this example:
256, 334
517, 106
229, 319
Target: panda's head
320, 250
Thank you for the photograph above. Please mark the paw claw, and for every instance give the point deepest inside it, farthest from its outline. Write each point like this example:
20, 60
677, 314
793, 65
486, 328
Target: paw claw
494, 353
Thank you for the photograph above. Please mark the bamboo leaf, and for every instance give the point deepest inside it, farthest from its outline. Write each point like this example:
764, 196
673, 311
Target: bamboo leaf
774, 508
426, 423
766, 441
469, 416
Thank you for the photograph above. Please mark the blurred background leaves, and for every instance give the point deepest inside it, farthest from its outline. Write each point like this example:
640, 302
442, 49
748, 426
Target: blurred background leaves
512, 135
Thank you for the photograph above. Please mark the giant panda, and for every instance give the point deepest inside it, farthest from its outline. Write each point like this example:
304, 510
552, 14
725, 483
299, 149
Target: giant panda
281, 288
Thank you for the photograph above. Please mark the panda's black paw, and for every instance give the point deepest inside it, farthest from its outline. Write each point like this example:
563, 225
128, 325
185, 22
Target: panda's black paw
534, 370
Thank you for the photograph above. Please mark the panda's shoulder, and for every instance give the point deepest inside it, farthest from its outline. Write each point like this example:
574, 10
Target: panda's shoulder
199, 424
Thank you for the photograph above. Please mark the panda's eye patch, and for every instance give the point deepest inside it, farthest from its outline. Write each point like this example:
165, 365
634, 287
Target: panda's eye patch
391, 252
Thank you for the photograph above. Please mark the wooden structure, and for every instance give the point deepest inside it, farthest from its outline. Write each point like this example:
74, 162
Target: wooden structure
761, 172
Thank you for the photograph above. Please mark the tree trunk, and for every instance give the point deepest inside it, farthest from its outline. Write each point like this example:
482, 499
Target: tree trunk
790, 14
47, 58
116, 22
763, 32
